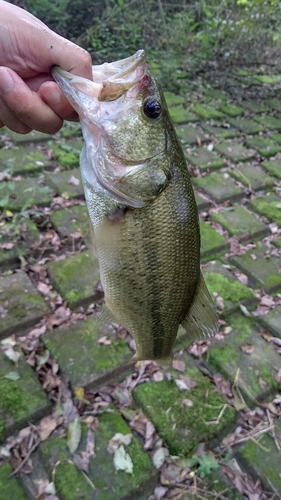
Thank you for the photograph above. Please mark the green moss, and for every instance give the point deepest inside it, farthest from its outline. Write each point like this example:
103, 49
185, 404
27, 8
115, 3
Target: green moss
75, 277
232, 291
227, 358
173, 99
264, 146
9, 487
232, 110
81, 356
109, 483
271, 209
273, 166
180, 427
207, 112
263, 460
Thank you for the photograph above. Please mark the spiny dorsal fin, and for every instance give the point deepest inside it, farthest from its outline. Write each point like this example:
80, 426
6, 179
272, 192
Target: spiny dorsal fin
201, 320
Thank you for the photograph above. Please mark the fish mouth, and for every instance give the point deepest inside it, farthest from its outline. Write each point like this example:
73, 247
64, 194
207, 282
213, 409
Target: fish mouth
110, 80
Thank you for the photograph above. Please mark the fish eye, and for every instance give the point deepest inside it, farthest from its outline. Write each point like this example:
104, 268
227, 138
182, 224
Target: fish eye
152, 108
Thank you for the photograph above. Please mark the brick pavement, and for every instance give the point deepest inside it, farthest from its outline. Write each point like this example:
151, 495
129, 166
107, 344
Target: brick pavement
233, 152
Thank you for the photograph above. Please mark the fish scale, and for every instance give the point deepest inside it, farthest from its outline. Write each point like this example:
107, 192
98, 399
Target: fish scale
142, 207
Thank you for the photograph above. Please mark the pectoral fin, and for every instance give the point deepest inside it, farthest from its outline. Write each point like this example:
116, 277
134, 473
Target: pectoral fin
201, 320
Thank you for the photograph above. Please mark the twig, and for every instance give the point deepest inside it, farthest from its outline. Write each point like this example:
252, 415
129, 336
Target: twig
26, 457
273, 431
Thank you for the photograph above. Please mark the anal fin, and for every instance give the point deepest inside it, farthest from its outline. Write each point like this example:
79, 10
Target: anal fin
201, 321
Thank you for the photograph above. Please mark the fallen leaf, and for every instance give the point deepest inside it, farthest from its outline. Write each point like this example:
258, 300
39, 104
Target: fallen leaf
187, 402
117, 440
13, 376
158, 457
74, 181
47, 426
185, 383
11, 354
247, 348
104, 340
73, 434
122, 460
179, 365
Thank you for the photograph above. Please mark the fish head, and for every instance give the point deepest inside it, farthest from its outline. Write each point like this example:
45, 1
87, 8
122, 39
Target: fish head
123, 116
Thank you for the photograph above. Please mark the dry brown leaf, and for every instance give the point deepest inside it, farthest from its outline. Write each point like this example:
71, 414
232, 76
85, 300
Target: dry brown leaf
187, 402
47, 426
247, 348
179, 365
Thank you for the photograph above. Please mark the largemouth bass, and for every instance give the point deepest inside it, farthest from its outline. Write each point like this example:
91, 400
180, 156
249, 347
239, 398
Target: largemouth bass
141, 205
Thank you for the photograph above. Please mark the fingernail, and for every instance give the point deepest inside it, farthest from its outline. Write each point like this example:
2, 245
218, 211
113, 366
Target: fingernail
6, 81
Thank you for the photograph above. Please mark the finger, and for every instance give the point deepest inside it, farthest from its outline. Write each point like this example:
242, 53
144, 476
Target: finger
26, 105
10, 120
71, 57
51, 94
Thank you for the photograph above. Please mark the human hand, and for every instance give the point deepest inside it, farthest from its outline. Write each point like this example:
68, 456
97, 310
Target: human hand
29, 97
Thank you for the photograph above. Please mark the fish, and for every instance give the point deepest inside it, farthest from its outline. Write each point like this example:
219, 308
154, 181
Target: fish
142, 207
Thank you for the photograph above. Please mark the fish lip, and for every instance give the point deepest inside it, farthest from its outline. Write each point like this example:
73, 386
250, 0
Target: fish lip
110, 80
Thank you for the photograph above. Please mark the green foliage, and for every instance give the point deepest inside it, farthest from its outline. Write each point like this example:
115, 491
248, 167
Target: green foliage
206, 463
188, 34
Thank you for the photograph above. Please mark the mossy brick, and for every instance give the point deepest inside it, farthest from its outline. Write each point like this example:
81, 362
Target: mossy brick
10, 486
254, 373
255, 106
86, 362
262, 269
204, 159
215, 485
75, 278
219, 186
207, 112
252, 176
234, 151
277, 242
274, 104
232, 110
173, 99
266, 147
67, 154
109, 484
262, 460
23, 233
276, 137
273, 167
181, 115
245, 125
270, 206
241, 223
189, 134
17, 408
182, 428
221, 132
221, 281
33, 136
217, 94
202, 203
22, 305
67, 183
269, 122
71, 220
69, 130
27, 192
26, 160
211, 241
272, 321
268, 79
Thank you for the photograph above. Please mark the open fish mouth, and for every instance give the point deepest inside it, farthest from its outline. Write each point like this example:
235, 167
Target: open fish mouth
110, 80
